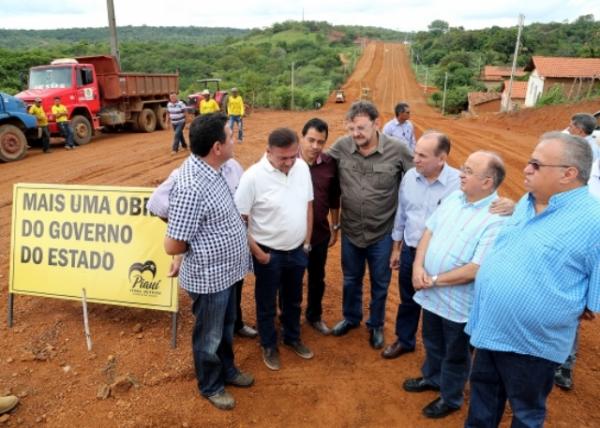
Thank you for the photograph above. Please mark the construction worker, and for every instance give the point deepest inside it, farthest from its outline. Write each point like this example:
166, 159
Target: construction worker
207, 104
235, 110
42, 121
61, 115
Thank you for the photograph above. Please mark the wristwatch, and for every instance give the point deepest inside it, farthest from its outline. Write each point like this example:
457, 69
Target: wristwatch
434, 279
336, 227
307, 248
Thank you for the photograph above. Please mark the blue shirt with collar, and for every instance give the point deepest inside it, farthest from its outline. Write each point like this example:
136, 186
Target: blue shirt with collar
541, 274
418, 199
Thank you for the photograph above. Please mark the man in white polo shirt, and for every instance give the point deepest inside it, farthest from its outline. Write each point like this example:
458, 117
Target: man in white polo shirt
275, 198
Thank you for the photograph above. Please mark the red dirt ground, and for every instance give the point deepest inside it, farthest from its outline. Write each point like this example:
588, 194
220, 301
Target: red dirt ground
347, 384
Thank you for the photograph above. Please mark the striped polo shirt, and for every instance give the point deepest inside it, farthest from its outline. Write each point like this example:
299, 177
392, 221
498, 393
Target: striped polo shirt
461, 233
542, 272
176, 112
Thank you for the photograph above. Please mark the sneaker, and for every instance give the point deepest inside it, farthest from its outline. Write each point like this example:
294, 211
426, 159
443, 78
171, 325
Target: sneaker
68, 147
222, 401
48, 151
271, 358
301, 350
247, 331
320, 326
173, 153
563, 378
242, 380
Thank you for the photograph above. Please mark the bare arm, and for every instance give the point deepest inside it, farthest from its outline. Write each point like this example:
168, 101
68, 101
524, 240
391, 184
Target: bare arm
395, 257
309, 223
174, 247
334, 218
419, 276
261, 256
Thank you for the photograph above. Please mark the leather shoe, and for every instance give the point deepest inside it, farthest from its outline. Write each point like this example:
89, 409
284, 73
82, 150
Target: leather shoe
563, 378
438, 409
342, 328
247, 331
395, 350
320, 326
418, 384
376, 338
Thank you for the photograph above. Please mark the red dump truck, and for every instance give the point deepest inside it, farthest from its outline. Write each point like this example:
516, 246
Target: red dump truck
98, 95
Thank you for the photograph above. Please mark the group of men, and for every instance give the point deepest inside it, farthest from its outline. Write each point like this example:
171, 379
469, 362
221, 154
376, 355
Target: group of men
61, 115
511, 286
176, 114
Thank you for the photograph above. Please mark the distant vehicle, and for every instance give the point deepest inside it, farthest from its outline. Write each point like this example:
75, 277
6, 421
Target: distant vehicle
339, 96
365, 94
99, 95
16, 127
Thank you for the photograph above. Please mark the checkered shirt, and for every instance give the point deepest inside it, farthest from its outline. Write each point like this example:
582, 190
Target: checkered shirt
203, 214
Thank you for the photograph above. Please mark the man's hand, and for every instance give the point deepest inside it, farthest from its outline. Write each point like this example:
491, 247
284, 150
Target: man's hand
333, 236
263, 258
395, 259
420, 279
175, 265
503, 206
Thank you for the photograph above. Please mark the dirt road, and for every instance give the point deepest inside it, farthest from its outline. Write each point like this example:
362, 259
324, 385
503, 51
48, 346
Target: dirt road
43, 358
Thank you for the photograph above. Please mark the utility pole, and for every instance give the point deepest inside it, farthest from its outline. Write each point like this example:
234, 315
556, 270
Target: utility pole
426, 78
112, 27
506, 105
444, 97
292, 100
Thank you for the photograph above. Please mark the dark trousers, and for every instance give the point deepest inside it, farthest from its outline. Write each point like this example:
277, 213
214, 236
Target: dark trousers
282, 274
212, 340
65, 130
524, 380
45, 138
317, 259
178, 138
354, 261
447, 356
409, 311
239, 320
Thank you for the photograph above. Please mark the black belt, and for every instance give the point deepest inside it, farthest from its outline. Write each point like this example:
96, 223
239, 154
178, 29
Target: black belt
273, 250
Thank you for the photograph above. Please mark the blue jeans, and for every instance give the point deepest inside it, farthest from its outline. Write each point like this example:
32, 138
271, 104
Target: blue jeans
240, 122
409, 311
354, 260
282, 274
178, 137
65, 130
524, 380
317, 259
212, 340
447, 356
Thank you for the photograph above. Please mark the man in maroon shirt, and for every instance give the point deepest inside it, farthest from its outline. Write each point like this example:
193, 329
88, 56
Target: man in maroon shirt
326, 189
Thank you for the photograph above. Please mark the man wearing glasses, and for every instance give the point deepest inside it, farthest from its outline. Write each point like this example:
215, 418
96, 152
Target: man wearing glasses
401, 128
539, 279
457, 238
371, 165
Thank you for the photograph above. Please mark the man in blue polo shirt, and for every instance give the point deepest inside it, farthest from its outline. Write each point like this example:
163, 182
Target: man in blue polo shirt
540, 278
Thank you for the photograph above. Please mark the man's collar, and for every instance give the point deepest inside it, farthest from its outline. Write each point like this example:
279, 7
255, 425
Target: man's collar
482, 202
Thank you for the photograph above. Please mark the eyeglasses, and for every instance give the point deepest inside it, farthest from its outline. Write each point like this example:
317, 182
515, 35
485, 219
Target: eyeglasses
536, 165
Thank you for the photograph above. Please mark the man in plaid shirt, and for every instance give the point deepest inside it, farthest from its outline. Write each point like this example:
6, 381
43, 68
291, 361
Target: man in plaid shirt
205, 224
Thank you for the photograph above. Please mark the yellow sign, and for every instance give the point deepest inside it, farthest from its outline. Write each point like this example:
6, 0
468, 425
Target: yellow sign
69, 237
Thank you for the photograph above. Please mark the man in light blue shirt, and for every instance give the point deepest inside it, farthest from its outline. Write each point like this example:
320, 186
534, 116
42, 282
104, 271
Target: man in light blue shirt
401, 128
457, 238
583, 125
541, 276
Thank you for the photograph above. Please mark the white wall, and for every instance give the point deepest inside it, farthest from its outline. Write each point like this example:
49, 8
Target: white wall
535, 87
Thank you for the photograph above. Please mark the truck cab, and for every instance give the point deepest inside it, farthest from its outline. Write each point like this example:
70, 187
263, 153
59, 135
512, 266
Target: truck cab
16, 127
77, 86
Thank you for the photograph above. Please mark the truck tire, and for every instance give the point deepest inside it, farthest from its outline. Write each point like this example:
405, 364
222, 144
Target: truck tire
147, 120
13, 144
161, 117
82, 130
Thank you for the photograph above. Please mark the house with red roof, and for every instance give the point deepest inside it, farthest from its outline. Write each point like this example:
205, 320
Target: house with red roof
518, 92
492, 76
576, 76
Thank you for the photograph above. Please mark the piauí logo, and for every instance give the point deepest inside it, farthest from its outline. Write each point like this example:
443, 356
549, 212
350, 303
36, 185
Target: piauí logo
139, 279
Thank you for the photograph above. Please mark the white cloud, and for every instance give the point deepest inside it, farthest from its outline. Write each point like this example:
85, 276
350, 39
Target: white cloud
406, 15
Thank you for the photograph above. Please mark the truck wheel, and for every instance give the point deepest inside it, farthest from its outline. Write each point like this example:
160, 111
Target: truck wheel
161, 117
82, 130
13, 144
147, 120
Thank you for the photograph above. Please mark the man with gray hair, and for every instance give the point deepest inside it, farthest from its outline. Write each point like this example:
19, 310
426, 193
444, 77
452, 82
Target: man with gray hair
457, 237
541, 276
371, 165
583, 125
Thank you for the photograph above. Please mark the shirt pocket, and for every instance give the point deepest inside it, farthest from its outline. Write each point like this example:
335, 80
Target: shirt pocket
385, 176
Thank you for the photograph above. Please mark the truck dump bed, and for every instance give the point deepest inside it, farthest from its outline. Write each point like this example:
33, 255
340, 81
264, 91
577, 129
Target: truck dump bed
115, 84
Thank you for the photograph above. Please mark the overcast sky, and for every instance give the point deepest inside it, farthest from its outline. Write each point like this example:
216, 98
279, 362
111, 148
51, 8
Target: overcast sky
404, 15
